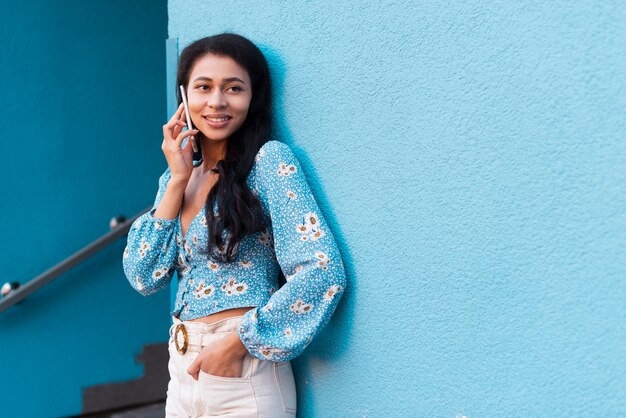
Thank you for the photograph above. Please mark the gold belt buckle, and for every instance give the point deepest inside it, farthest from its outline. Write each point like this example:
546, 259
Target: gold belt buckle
182, 350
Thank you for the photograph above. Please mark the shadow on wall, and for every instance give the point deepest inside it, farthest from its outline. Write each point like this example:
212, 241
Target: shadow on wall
328, 347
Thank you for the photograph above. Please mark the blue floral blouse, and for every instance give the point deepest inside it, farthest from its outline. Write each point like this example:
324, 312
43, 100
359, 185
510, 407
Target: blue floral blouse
298, 241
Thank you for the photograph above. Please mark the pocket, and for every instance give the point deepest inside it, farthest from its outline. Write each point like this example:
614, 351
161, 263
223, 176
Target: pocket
220, 394
286, 386
222, 378
246, 372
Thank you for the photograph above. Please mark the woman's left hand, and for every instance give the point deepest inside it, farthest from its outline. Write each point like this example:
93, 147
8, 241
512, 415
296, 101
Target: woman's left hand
224, 358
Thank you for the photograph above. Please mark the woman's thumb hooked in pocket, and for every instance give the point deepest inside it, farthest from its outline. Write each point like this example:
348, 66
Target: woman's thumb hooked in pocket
194, 368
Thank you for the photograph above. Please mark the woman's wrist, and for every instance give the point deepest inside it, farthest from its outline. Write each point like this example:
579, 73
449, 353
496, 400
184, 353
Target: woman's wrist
235, 345
179, 182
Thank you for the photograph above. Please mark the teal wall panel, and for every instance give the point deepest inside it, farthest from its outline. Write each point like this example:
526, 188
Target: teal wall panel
82, 106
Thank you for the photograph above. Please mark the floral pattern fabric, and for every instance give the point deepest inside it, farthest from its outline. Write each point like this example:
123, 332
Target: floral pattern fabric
282, 321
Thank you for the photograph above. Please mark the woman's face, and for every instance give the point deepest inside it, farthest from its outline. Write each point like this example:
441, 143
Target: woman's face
219, 94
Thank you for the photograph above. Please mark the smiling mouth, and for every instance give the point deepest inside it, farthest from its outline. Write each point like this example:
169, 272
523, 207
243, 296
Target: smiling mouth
217, 120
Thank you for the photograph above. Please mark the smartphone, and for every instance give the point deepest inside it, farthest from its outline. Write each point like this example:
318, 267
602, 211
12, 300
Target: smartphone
189, 125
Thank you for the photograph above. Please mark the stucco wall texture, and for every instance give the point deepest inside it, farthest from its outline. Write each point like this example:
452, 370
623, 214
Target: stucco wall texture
75, 79
470, 158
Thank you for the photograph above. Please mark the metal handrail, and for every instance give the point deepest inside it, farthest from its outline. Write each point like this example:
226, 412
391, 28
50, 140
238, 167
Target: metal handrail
46, 277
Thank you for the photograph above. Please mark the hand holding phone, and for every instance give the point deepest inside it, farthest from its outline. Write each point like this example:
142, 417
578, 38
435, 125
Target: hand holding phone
189, 125
179, 158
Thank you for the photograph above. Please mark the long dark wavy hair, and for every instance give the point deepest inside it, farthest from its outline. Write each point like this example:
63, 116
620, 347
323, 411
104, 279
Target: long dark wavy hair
239, 211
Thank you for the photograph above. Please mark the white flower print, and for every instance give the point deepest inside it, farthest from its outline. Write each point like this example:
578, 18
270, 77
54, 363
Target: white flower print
259, 154
144, 246
288, 332
310, 229
312, 220
291, 195
245, 264
269, 352
178, 239
233, 288
158, 225
126, 252
140, 286
322, 259
300, 307
286, 170
213, 265
203, 220
240, 288
202, 291
303, 228
331, 292
267, 307
159, 273
317, 235
195, 239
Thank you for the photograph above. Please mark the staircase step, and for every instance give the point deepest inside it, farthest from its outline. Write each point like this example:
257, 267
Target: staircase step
156, 410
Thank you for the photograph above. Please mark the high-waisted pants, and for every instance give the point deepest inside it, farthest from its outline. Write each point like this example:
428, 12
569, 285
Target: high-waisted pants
265, 388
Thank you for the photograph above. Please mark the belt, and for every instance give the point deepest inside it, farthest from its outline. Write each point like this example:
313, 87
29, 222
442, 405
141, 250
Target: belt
191, 340
180, 328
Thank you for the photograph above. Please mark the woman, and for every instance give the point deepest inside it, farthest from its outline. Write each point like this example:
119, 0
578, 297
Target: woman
234, 330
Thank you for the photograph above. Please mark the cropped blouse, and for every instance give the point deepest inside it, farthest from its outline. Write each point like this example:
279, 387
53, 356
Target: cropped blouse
297, 241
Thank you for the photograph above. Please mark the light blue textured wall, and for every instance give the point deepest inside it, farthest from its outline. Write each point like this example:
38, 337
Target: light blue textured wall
471, 159
82, 103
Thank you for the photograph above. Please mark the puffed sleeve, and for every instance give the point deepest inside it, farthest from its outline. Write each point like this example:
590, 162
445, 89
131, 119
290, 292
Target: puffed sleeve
307, 254
152, 249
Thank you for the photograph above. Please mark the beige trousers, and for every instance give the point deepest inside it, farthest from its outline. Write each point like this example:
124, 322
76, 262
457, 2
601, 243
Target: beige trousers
265, 389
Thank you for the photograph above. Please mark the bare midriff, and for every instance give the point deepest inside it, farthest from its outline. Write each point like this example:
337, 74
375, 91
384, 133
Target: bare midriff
218, 316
